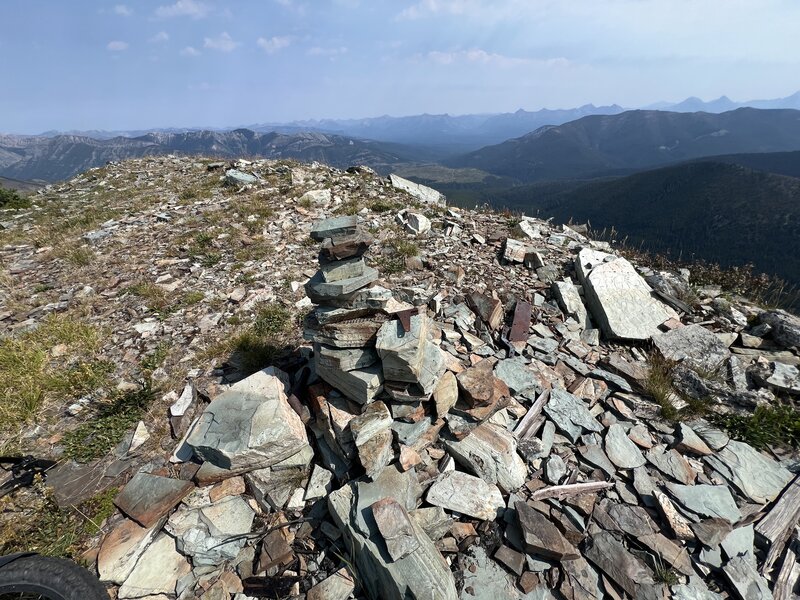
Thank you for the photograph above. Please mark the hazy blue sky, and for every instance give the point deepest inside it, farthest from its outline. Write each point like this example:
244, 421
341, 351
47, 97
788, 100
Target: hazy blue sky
84, 64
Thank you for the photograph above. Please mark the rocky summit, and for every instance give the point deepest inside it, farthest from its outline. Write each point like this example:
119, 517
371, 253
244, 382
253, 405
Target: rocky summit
268, 379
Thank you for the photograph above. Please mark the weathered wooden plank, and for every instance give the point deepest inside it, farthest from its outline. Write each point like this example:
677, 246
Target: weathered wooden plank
776, 528
574, 489
787, 576
530, 423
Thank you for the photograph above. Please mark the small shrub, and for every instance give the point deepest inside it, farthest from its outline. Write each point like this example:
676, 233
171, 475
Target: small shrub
11, 199
80, 256
154, 297
658, 385
767, 426
192, 298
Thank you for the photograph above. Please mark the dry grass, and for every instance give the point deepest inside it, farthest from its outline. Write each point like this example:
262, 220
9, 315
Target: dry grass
55, 363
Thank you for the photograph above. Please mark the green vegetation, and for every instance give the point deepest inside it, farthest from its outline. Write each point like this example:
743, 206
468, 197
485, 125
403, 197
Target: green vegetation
79, 256
767, 426
59, 361
11, 199
154, 297
270, 336
658, 385
394, 258
98, 436
54, 531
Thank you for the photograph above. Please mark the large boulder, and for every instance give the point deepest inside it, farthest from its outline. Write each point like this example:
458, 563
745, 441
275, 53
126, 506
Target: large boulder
618, 298
252, 427
422, 193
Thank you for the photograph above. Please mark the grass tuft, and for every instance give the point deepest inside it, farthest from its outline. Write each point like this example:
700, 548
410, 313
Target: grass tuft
95, 438
32, 375
767, 426
54, 531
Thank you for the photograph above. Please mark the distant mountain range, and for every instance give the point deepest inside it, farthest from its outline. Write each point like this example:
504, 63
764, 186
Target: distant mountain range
597, 146
445, 134
60, 157
710, 208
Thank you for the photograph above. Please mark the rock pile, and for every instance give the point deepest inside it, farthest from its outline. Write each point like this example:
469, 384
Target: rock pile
480, 426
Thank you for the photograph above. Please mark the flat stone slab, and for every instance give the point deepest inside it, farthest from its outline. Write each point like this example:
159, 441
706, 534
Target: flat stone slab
621, 567
408, 356
621, 450
694, 344
395, 526
335, 226
463, 493
422, 573
321, 291
571, 302
541, 536
146, 498
421, 192
514, 372
490, 452
618, 298
570, 414
746, 580
360, 385
121, 549
340, 247
157, 571
756, 476
671, 463
246, 431
706, 501
343, 269
345, 359
338, 586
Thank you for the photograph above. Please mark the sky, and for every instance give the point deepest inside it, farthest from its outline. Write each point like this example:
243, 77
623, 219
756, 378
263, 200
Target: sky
89, 64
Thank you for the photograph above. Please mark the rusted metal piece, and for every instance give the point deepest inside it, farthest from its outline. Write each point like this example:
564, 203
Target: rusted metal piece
521, 325
404, 316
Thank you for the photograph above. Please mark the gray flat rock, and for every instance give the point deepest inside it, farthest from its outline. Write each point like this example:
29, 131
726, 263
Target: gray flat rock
570, 414
157, 571
360, 385
694, 344
619, 300
571, 303
422, 573
334, 227
490, 452
463, 493
756, 476
541, 537
322, 292
343, 269
420, 192
408, 356
345, 359
621, 450
707, 501
246, 431
747, 582
514, 372
671, 463
146, 497
621, 567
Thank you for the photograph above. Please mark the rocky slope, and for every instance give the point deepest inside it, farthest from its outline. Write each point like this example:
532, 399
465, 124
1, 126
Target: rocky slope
62, 156
345, 389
